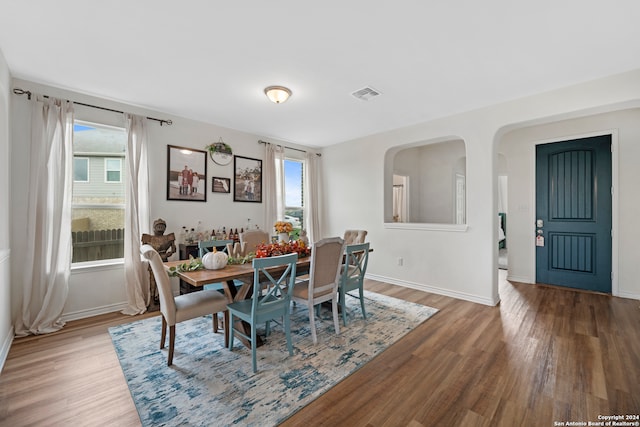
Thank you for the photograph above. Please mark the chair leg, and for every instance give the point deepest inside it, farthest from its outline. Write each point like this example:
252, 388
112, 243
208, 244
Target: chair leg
312, 322
336, 322
163, 337
364, 313
215, 323
253, 348
226, 328
230, 330
287, 332
343, 307
172, 340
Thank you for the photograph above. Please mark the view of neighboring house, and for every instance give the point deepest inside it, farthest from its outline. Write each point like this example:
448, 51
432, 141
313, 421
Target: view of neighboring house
98, 191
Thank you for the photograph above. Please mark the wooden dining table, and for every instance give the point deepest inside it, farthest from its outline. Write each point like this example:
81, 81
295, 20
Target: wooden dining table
227, 276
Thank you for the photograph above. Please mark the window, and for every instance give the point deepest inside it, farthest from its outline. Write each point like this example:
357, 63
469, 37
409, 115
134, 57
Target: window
80, 169
294, 194
112, 169
97, 208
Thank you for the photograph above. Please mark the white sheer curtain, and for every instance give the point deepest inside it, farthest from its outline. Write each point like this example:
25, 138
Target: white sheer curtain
312, 196
47, 262
273, 185
136, 220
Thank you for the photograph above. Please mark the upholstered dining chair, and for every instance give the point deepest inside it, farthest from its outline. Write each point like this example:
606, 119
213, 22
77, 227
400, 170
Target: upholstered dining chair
253, 238
324, 277
352, 278
353, 237
271, 300
184, 307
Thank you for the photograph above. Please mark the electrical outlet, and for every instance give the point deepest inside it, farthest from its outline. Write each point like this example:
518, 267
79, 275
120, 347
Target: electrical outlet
400, 261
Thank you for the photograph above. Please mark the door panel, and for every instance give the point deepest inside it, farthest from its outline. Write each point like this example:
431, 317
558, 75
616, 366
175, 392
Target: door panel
573, 201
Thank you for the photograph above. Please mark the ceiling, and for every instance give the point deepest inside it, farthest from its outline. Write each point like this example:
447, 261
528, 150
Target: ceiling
210, 60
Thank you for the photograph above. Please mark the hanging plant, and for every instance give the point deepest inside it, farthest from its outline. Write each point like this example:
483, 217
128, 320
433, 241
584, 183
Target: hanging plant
220, 152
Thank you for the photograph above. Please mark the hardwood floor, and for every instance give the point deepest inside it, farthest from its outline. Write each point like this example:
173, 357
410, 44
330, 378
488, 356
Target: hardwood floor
544, 355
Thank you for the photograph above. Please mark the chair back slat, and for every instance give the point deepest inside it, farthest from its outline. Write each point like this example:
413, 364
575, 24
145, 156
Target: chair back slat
205, 246
272, 290
357, 258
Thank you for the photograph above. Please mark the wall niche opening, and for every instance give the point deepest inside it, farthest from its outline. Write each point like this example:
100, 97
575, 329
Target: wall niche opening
425, 183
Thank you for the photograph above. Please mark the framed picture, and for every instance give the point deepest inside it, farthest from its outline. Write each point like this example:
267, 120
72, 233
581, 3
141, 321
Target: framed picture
186, 174
247, 179
220, 185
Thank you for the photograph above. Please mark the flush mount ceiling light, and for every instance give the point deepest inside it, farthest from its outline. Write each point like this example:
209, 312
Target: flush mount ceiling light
277, 94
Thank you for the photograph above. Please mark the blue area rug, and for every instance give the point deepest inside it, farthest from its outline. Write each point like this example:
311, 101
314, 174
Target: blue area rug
210, 385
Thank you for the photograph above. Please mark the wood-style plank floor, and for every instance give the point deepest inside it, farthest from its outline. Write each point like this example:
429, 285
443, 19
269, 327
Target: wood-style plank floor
544, 355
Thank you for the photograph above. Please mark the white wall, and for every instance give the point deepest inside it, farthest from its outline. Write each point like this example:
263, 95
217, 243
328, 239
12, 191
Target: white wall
101, 290
464, 263
6, 325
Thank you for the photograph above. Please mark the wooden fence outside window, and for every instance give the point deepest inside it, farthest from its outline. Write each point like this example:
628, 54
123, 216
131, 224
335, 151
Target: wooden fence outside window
95, 245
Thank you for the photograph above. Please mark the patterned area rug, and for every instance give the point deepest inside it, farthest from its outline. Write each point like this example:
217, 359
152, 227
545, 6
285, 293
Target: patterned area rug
210, 385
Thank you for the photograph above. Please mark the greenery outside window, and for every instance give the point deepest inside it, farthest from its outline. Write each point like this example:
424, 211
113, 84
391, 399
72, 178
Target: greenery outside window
294, 194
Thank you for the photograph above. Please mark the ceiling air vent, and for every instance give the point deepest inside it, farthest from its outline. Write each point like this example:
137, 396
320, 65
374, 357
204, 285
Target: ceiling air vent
366, 93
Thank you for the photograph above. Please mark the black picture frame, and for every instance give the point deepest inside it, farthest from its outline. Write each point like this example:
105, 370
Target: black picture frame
220, 185
180, 185
247, 179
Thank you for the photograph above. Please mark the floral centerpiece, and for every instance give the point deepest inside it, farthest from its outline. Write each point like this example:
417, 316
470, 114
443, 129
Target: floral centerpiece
283, 229
264, 250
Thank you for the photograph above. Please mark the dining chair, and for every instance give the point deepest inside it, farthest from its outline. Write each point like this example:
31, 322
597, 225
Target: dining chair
205, 246
324, 277
354, 237
253, 238
271, 300
176, 309
352, 277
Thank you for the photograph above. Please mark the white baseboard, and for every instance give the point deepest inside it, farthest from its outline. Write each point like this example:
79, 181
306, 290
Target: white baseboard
83, 314
434, 290
6, 346
628, 295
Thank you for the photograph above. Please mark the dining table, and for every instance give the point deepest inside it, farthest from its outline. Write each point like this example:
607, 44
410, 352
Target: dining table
227, 277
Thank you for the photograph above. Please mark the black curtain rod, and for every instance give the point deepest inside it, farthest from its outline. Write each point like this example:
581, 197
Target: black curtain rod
18, 91
289, 148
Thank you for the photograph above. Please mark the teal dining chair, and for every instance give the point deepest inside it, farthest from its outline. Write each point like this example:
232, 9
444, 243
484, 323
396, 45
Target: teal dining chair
271, 300
205, 246
353, 271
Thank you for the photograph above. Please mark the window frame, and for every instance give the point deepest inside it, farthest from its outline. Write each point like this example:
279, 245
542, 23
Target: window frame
107, 170
108, 263
88, 160
303, 164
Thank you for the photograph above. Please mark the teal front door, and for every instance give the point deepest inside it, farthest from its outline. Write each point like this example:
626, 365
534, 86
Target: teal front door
573, 213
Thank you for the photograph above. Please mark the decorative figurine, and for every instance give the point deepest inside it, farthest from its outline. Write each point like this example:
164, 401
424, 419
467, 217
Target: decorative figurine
164, 245
303, 237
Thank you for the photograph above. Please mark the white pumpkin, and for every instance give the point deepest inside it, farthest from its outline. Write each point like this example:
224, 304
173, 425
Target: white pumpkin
214, 260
